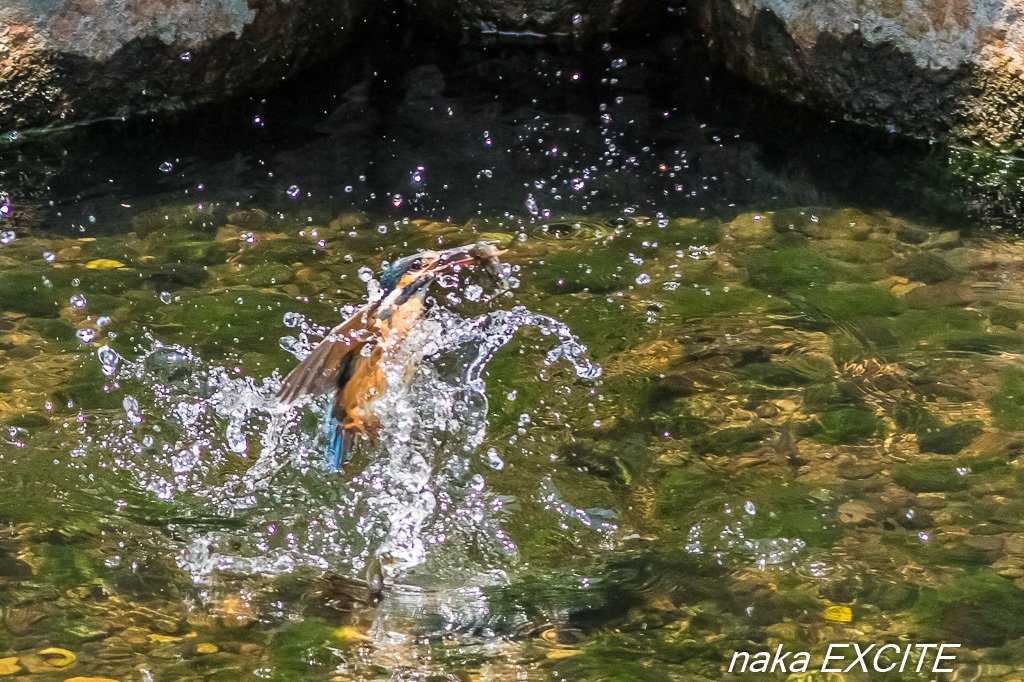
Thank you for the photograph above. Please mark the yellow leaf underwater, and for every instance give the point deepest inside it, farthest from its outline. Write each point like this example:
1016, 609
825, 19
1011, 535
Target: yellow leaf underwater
839, 614
58, 658
104, 264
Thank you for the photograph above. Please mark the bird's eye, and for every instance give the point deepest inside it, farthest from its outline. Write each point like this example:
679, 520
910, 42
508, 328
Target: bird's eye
416, 264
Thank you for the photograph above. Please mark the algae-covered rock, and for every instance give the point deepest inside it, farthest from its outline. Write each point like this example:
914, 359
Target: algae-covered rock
1007, 402
843, 302
926, 266
930, 476
844, 425
730, 441
852, 251
598, 271
750, 227
683, 233
697, 302
789, 268
978, 608
1006, 316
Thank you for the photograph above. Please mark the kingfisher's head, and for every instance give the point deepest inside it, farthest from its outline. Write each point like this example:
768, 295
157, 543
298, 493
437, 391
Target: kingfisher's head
432, 263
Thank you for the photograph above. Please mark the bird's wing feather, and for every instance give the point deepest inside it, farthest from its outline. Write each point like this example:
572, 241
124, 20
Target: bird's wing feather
329, 362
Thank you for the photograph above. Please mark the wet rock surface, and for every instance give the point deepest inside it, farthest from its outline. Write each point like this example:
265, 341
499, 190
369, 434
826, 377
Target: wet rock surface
74, 61
920, 67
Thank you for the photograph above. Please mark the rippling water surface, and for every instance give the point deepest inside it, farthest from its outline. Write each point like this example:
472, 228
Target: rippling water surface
743, 390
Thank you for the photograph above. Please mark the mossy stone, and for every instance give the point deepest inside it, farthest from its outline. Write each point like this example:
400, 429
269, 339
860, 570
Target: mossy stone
794, 220
683, 233
843, 302
730, 441
1006, 316
685, 489
845, 425
25, 291
599, 271
750, 227
690, 302
930, 476
605, 327
949, 440
850, 251
773, 374
1007, 403
914, 326
926, 266
183, 218
791, 268
978, 608
852, 223
789, 509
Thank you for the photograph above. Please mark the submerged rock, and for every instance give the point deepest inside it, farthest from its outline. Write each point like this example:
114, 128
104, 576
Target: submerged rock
74, 60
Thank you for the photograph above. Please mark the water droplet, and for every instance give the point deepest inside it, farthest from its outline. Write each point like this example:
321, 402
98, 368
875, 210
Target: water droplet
7, 236
5, 204
494, 460
531, 205
109, 358
396, 200
643, 278
750, 508
348, 188
577, 19
474, 292
13, 135
578, 184
85, 335
77, 301
131, 408
166, 166
49, 257
924, 536
293, 191
477, 482
186, 56
148, 440
293, 319
103, 321
165, 297
365, 274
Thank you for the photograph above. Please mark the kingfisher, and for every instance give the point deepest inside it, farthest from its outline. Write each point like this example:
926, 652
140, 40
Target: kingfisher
350, 360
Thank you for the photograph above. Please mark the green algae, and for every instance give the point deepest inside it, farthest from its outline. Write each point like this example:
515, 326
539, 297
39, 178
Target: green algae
598, 271
684, 233
730, 441
930, 477
848, 424
788, 268
1007, 402
979, 608
850, 301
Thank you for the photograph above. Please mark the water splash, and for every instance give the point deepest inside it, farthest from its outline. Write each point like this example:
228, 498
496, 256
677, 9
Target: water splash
246, 474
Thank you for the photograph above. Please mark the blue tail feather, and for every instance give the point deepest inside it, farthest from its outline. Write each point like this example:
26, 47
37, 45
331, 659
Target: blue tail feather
337, 452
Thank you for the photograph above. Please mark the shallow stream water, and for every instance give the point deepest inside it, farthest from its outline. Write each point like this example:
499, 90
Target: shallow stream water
750, 386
